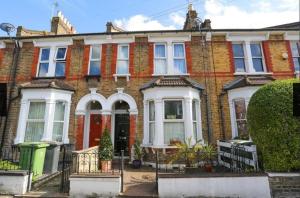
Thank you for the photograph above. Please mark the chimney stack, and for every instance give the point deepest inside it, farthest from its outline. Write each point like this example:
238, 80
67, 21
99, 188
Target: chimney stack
110, 27
192, 22
61, 25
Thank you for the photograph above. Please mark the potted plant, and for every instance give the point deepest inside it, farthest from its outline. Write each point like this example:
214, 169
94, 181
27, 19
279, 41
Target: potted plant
208, 153
138, 155
106, 151
187, 152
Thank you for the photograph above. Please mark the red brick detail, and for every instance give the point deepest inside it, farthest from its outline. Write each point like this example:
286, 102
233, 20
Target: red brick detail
68, 61
267, 55
151, 58
188, 56
131, 58
114, 58
290, 55
132, 131
103, 60
231, 60
106, 122
34, 66
79, 132
86, 58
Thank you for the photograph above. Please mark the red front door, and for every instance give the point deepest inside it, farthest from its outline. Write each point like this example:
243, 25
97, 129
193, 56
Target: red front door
95, 130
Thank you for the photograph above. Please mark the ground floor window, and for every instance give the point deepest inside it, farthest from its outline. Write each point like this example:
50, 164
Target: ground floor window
151, 121
240, 116
58, 122
195, 119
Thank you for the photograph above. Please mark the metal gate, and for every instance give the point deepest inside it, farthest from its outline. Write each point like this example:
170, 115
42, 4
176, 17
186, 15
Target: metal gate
65, 166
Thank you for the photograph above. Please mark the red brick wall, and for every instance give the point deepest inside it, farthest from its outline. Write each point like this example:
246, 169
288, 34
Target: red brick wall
151, 57
79, 132
267, 56
86, 58
188, 57
68, 61
103, 60
290, 58
114, 58
34, 65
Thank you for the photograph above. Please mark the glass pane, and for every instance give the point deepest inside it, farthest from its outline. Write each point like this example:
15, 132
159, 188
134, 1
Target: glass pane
151, 111
194, 106
60, 69
258, 65
238, 50
296, 64
240, 109
242, 127
94, 68
95, 105
122, 67
59, 111
255, 50
195, 130
179, 66
239, 64
160, 51
173, 109
58, 128
45, 54
178, 50
61, 52
34, 131
160, 66
174, 131
151, 132
295, 49
36, 110
95, 52
43, 69
123, 52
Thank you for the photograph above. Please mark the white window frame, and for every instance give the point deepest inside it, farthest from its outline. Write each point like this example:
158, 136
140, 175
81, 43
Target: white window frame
179, 58
59, 121
291, 43
52, 61
122, 59
240, 57
160, 58
197, 119
94, 59
262, 57
234, 111
151, 122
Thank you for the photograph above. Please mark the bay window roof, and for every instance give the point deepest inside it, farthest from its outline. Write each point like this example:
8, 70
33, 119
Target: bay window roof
47, 83
243, 81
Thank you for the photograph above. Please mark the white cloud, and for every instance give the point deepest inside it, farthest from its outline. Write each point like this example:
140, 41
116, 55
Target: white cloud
177, 18
262, 13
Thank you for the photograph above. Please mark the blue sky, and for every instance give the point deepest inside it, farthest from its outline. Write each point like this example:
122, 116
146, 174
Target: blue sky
92, 15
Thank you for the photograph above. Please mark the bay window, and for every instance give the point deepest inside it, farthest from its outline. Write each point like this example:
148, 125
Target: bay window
195, 119
179, 58
94, 64
295, 45
58, 122
173, 121
123, 59
160, 59
151, 121
240, 116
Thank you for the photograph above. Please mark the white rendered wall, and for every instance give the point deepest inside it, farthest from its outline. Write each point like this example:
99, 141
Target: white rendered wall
13, 184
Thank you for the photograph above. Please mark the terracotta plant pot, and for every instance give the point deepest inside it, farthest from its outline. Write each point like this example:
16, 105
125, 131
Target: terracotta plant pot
105, 166
208, 168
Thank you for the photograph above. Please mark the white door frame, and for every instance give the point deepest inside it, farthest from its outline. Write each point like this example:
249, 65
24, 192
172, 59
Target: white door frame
86, 133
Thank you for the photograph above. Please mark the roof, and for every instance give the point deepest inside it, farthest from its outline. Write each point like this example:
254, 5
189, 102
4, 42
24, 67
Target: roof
174, 81
47, 84
243, 81
286, 26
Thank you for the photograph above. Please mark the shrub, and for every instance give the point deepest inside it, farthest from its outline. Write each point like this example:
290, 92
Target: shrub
106, 150
273, 128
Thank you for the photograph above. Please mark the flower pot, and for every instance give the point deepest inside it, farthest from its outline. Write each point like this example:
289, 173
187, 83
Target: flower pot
208, 168
136, 164
105, 166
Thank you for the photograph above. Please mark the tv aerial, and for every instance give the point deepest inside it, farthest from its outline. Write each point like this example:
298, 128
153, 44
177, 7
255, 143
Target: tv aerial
7, 27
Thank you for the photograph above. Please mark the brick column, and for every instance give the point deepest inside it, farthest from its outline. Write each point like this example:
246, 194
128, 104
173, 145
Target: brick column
106, 122
132, 130
79, 132
34, 65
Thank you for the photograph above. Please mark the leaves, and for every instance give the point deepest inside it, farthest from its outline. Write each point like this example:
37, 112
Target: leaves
106, 150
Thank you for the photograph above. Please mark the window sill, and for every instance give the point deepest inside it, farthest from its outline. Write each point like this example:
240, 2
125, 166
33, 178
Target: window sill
252, 74
116, 76
89, 77
173, 75
49, 77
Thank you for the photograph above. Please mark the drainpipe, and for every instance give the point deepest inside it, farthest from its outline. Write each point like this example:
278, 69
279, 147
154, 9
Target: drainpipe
13, 74
220, 98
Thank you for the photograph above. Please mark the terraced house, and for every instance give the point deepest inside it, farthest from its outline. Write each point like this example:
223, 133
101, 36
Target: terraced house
160, 87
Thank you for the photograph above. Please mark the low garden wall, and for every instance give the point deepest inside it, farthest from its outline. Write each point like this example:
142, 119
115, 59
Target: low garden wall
13, 182
95, 185
214, 185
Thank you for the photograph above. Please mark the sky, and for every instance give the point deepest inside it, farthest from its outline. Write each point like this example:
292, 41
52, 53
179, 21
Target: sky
91, 15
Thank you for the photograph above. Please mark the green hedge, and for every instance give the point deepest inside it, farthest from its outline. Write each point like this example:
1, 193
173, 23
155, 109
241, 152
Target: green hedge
273, 128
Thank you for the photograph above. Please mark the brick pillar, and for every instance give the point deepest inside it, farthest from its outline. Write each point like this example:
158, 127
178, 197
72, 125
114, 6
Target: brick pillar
85, 62
188, 57
106, 122
231, 59
79, 132
35, 61
151, 57
290, 56
132, 131
267, 55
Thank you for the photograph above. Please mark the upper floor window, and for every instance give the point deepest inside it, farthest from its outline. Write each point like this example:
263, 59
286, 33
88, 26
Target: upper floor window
123, 59
248, 57
179, 58
52, 62
160, 59
94, 64
296, 54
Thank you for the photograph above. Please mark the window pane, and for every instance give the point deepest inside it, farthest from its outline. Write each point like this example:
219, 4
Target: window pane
239, 64
43, 69
151, 132
45, 54
122, 67
258, 65
151, 111
179, 66
94, 68
58, 128
173, 131
123, 52
178, 50
34, 131
242, 127
238, 50
95, 52
59, 111
240, 109
255, 50
295, 49
36, 110
61, 53
173, 110
195, 130
160, 51
60, 69
194, 106
296, 64
160, 66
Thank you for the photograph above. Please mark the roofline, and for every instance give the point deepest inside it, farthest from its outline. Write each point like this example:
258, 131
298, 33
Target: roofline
151, 31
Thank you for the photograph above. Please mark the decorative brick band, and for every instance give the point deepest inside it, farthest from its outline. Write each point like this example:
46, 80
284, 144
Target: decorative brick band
86, 57
79, 132
230, 54
68, 61
103, 60
290, 55
114, 48
131, 58
188, 56
151, 57
34, 66
267, 55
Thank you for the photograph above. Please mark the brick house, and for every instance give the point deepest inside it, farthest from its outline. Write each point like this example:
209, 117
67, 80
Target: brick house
156, 86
